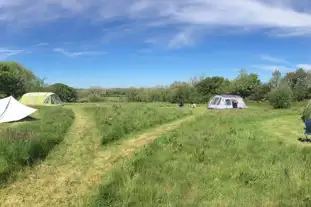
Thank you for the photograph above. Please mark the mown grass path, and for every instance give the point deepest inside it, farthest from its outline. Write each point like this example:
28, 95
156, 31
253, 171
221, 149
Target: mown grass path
70, 173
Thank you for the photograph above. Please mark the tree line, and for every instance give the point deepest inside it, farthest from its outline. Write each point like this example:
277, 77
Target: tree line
280, 91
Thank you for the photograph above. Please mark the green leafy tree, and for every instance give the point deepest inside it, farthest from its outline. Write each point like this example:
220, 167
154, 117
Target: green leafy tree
281, 97
245, 84
66, 93
211, 86
260, 92
299, 83
16, 80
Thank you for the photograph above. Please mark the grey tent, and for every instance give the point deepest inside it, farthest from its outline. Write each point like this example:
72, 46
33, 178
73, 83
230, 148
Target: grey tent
227, 101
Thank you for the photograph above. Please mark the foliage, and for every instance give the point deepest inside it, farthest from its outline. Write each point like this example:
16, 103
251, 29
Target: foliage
28, 142
66, 93
299, 83
16, 80
281, 97
245, 84
120, 120
260, 92
276, 79
211, 86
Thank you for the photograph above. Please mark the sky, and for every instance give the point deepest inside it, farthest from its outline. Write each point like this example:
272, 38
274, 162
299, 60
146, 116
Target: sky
143, 43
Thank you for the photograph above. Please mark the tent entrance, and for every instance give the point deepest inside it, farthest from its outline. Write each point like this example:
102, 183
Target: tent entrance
234, 104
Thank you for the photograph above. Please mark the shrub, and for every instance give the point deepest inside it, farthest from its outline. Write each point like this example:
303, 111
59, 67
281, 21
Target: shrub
280, 97
94, 98
26, 143
66, 93
119, 120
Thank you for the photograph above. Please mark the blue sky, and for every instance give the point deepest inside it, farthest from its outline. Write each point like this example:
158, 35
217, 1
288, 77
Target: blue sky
124, 43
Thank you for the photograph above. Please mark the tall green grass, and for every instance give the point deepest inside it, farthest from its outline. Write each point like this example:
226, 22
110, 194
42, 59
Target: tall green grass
120, 120
224, 158
24, 143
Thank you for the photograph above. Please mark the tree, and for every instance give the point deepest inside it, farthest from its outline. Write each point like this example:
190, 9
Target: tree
211, 86
16, 80
245, 84
182, 94
299, 83
276, 79
260, 92
66, 93
281, 97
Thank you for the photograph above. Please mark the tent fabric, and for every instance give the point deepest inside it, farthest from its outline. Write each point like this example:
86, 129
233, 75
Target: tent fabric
40, 98
226, 101
12, 110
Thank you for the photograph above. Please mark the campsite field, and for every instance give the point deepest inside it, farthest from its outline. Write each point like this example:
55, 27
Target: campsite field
171, 157
119, 121
222, 158
26, 142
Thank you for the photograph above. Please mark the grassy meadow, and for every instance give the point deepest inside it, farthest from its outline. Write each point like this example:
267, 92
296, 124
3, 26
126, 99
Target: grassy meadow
23, 143
120, 120
224, 158
157, 154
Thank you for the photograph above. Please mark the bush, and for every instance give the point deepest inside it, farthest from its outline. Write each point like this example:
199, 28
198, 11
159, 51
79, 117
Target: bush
119, 120
66, 93
95, 98
26, 143
280, 97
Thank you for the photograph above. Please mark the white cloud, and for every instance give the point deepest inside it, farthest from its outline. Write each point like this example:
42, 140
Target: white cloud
5, 53
271, 68
304, 66
181, 39
76, 54
279, 17
273, 59
42, 44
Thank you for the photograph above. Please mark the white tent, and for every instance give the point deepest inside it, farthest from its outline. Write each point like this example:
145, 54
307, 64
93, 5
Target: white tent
226, 102
12, 110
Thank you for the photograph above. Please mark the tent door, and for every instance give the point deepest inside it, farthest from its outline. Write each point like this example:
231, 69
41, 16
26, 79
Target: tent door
234, 104
228, 104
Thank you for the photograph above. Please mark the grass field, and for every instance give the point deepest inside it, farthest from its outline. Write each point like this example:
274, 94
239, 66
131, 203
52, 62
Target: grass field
120, 120
24, 143
162, 155
223, 158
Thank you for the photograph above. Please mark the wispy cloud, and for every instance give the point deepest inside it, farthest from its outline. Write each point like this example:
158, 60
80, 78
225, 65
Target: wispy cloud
42, 44
181, 39
273, 59
279, 17
76, 54
281, 68
5, 53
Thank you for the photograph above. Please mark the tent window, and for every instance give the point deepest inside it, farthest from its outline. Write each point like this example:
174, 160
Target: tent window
228, 102
218, 101
215, 101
